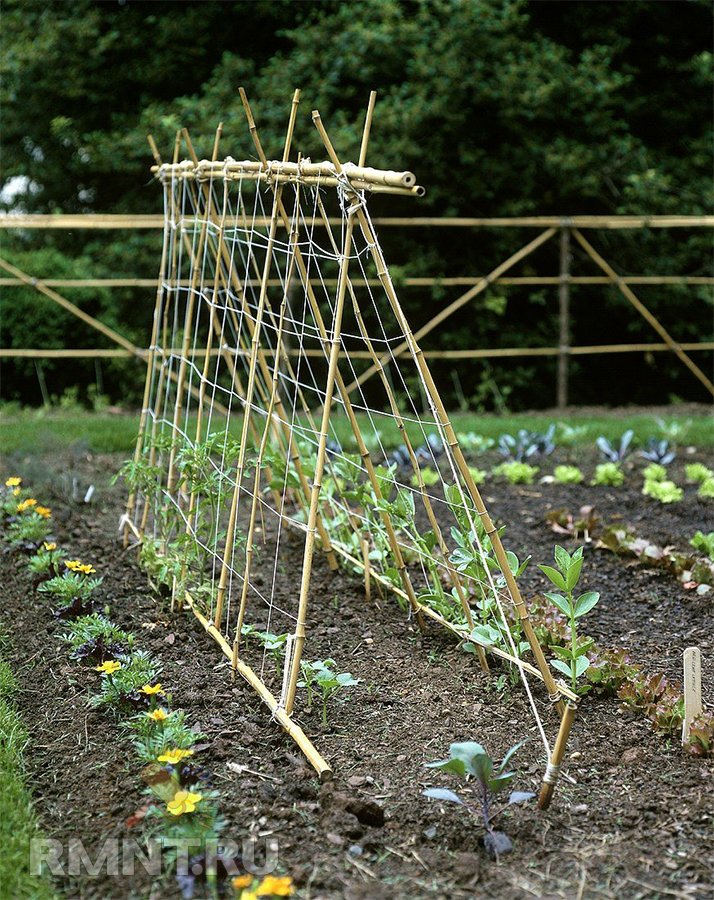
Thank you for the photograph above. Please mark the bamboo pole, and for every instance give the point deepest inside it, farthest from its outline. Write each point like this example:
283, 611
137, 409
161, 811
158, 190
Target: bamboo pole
644, 311
40, 286
111, 221
417, 281
250, 387
278, 713
494, 353
458, 303
308, 550
440, 411
564, 318
553, 770
416, 468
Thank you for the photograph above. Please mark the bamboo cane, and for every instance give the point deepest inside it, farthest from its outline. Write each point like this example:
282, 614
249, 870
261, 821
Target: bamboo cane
394, 407
294, 731
362, 450
644, 312
439, 409
230, 531
553, 770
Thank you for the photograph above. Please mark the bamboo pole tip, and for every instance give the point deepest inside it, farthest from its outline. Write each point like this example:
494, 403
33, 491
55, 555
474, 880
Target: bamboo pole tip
315, 114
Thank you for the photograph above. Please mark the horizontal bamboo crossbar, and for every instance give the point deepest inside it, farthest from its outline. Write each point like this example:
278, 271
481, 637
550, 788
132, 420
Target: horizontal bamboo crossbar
596, 349
433, 281
110, 221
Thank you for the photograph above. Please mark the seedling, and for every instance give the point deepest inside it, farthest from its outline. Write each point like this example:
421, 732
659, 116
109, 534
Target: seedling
73, 592
658, 452
608, 474
568, 475
562, 521
616, 452
706, 489
697, 473
664, 491
470, 760
94, 638
572, 660
322, 676
122, 688
654, 472
527, 444
704, 543
517, 472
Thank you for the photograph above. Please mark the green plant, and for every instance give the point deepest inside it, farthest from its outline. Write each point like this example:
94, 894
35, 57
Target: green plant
700, 741
45, 562
122, 689
73, 592
470, 759
568, 475
609, 670
660, 701
706, 489
704, 543
654, 472
154, 735
664, 491
608, 474
478, 475
572, 660
28, 530
322, 675
516, 472
95, 638
429, 476
697, 473
274, 644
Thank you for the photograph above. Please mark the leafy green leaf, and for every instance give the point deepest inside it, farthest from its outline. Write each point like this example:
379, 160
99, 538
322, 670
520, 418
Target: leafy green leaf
443, 794
554, 576
586, 602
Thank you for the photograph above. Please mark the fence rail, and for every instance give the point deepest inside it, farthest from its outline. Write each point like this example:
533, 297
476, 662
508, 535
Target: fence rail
566, 227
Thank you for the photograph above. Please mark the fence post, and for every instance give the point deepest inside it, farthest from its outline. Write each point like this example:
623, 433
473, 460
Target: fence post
564, 316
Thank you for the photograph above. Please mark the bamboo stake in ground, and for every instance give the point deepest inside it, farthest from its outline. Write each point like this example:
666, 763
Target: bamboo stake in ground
552, 772
644, 312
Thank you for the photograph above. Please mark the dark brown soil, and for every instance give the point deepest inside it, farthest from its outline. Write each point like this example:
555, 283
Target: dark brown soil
633, 818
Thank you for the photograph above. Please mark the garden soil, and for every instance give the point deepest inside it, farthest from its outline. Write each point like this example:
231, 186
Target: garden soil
632, 816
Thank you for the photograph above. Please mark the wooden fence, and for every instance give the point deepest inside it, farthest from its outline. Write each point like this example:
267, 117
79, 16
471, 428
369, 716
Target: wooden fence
565, 229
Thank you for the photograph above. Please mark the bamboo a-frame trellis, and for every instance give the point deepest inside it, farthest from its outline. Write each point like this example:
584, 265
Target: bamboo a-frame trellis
211, 507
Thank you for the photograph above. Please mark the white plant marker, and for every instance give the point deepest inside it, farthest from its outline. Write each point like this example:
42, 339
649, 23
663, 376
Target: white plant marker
692, 688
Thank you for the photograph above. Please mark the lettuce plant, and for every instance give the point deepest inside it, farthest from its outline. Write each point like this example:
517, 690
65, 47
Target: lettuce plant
654, 472
664, 491
706, 489
572, 660
608, 474
568, 475
94, 638
517, 472
704, 543
470, 760
697, 473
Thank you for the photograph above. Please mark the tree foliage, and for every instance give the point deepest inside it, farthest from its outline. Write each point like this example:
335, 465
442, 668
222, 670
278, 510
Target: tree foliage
501, 107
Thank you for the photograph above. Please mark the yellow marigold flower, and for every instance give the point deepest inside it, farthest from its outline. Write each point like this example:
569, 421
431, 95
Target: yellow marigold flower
43, 511
14, 481
109, 667
49, 546
183, 802
26, 504
16, 492
76, 566
72, 564
242, 881
271, 886
172, 757
151, 689
158, 715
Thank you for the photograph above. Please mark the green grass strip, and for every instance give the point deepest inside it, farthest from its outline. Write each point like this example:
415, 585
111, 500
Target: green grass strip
26, 430
18, 822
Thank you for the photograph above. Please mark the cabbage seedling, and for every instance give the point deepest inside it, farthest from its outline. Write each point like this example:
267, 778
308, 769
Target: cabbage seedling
469, 759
